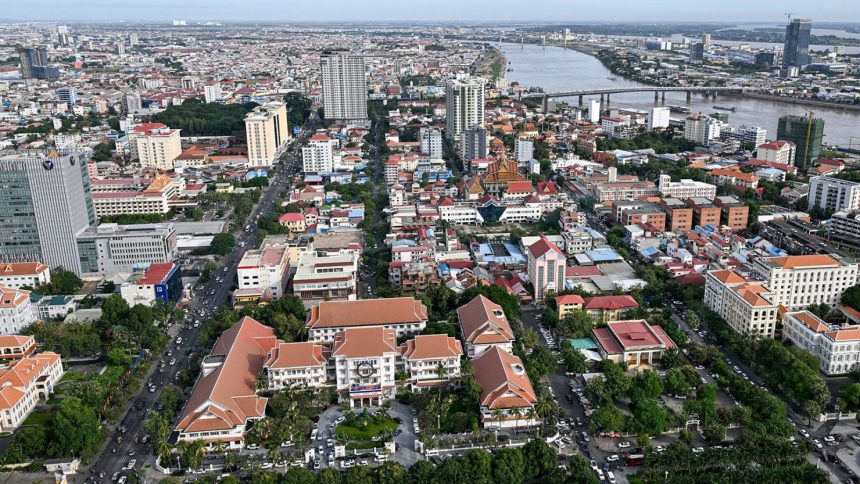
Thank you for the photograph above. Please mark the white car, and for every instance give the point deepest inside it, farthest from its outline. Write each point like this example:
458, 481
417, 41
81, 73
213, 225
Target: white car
623, 445
817, 444
132, 463
659, 449
613, 458
698, 450
267, 465
830, 438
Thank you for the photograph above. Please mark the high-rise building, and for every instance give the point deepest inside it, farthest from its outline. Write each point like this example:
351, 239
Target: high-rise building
34, 64
212, 92
46, 204
66, 95
524, 149
706, 40
464, 105
658, 118
697, 53
188, 82
796, 50
344, 87
806, 132
155, 145
828, 193
267, 133
594, 112
431, 142
473, 145
318, 154
702, 129
765, 59
63, 35
133, 103
133, 39
120, 48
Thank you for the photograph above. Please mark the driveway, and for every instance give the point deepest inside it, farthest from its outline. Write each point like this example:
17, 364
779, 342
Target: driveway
406, 454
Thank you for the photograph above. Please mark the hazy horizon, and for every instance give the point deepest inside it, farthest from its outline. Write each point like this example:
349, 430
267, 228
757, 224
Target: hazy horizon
345, 11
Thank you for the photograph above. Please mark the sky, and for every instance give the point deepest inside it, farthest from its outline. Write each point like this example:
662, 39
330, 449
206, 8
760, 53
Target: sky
429, 11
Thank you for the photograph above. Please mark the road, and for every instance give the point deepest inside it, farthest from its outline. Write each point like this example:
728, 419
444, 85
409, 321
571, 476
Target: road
114, 457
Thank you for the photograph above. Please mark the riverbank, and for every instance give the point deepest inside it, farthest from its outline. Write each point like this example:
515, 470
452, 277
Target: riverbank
490, 64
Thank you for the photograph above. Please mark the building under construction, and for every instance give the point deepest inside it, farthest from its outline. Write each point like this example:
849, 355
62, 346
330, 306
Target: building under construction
806, 132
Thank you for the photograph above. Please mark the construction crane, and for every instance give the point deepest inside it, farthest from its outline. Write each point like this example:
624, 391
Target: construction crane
789, 14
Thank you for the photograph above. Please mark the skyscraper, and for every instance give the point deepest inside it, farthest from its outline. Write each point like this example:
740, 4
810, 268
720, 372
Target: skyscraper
63, 35
806, 132
464, 105
344, 86
46, 204
473, 145
697, 53
796, 50
267, 133
34, 64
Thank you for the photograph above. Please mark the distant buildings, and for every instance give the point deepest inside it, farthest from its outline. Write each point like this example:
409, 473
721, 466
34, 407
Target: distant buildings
34, 64
431, 142
697, 52
212, 92
464, 105
806, 133
835, 194
524, 149
46, 204
344, 87
658, 118
473, 144
795, 53
267, 133
701, 129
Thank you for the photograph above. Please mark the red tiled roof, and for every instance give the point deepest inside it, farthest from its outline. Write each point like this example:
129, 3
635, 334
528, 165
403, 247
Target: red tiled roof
610, 302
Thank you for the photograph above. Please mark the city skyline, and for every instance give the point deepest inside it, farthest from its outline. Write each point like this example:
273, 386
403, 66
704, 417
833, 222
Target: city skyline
443, 10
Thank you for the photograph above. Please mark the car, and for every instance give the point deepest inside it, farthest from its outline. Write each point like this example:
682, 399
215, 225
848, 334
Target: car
267, 465
830, 438
698, 450
339, 419
613, 458
131, 452
624, 445
317, 465
817, 444
398, 432
253, 447
659, 449
699, 367
122, 480
593, 465
364, 462
804, 433
172, 361
288, 443
114, 476
132, 463
600, 476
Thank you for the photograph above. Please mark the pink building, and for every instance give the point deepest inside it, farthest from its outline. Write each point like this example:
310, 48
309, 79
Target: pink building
546, 267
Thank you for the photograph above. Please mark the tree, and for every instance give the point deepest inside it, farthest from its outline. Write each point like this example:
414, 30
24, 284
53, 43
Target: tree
574, 360
539, 458
676, 383
298, 475
171, 398
508, 466
359, 475
576, 324
849, 397
422, 472
118, 356
608, 418
390, 472
74, 430
580, 471
62, 282
529, 338
223, 243
672, 359
646, 385
649, 417
540, 362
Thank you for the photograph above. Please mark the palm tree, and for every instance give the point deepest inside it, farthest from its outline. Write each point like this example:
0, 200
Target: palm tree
181, 451
441, 371
531, 413
517, 413
498, 415
162, 449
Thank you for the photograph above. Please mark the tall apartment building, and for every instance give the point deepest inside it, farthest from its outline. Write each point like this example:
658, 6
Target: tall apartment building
658, 118
46, 203
834, 194
524, 149
796, 50
844, 226
66, 95
697, 52
318, 154
745, 135
473, 145
212, 92
63, 35
686, 188
267, 133
546, 265
132, 102
110, 249
701, 129
431, 142
344, 87
34, 64
806, 133
155, 145
464, 105
800, 280
777, 151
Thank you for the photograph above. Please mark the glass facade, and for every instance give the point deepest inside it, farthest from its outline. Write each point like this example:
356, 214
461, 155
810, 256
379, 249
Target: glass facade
19, 235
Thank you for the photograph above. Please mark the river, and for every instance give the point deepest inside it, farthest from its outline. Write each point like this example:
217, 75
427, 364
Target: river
560, 69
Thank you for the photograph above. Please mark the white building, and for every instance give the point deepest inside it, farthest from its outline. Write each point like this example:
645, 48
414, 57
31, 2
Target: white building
212, 92
747, 306
464, 105
155, 145
23, 383
16, 310
431, 142
296, 365
365, 364
524, 149
110, 249
702, 129
344, 87
431, 360
834, 194
16, 275
154, 199
836, 347
594, 112
405, 315
686, 188
658, 118
267, 133
326, 276
755, 135
265, 270
800, 280
507, 395
777, 151
318, 154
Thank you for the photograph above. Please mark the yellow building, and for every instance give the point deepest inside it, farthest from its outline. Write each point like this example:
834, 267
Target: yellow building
568, 304
267, 133
155, 145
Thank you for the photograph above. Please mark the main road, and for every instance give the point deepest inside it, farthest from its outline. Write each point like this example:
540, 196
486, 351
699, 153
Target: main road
115, 457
